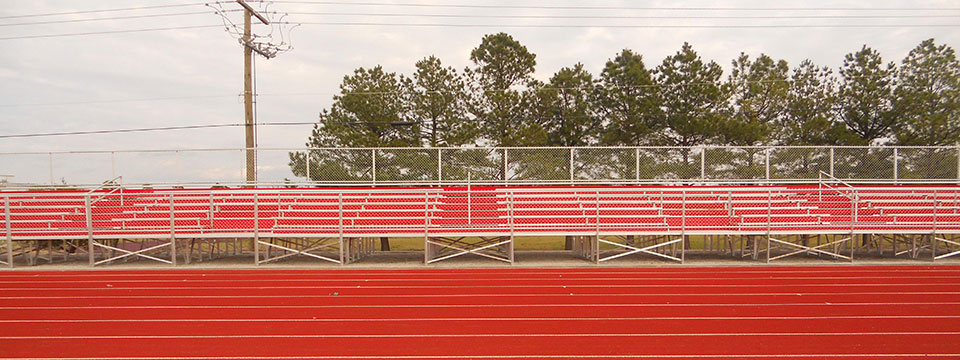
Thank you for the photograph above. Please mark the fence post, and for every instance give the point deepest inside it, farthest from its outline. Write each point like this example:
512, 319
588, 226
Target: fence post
307, 158
89, 219
6, 215
636, 165
373, 166
896, 167
113, 165
766, 156
703, 164
439, 166
505, 161
571, 164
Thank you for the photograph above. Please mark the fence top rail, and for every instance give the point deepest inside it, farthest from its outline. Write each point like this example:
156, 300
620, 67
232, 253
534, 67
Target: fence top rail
448, 148
872, 190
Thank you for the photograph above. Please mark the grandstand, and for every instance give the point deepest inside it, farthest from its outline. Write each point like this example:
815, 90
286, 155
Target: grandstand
760, 220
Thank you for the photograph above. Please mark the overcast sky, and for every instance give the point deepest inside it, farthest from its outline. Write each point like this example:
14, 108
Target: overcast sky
99, 81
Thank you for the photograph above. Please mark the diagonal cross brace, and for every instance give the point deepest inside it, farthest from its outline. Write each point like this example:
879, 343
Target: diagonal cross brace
465, 251
804, 249
646, 250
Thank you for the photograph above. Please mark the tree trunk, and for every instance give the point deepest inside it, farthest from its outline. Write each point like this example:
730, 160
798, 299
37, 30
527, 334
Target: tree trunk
384, 244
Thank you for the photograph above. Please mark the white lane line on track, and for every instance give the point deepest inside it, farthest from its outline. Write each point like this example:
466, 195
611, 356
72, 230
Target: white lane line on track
851, 317
392, 296
726, 270
441, 357
451, 306
49, 281
401, 336
499, 286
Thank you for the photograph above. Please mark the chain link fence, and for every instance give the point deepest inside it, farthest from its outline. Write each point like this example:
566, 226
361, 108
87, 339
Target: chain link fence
452, 166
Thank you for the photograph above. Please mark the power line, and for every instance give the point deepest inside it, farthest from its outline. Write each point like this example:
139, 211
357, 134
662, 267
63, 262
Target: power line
798, 26
117, 101
102, 10
741, 17
472, 6
109, 32
166, 128
111, 18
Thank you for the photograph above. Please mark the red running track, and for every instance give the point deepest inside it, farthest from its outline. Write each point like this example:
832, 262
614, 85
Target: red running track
847, 312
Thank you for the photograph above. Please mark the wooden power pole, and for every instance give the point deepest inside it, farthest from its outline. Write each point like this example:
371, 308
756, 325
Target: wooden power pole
248, 48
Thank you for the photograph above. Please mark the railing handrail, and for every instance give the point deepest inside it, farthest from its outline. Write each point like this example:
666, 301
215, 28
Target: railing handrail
111, 182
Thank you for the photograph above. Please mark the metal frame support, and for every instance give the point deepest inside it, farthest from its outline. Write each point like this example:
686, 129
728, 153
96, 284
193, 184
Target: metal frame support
636, 163
703, 163
9, 230
572, 150
173, 235
766, 156
896, 167
340, 222
439, 166
89, 219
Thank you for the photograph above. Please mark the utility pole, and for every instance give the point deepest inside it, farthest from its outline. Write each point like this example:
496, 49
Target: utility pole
248, 13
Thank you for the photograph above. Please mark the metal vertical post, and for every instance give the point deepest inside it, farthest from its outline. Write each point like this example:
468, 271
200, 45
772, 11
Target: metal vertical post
636, 164
89, 218
173, 235
933, 235
896, 163
113, 165
6, 215
373, 165
596, 240
427, 252
831, 163
307, 158
769, 220
439, 166
766, 156
683, 228
469, 201
505, 162
340, 217
571, 165
703, 163
512, 199
256, 233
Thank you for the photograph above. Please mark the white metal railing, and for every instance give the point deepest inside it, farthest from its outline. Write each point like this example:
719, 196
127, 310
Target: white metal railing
506, 165
477, 211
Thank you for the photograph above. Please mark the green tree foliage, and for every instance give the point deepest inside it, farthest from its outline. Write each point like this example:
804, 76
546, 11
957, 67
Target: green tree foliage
627, 97
865, 101
928, 103
810, 102
682, 102
566, 107
759, 92
437, 100
928, 96
368, 112
497, 100
693, 99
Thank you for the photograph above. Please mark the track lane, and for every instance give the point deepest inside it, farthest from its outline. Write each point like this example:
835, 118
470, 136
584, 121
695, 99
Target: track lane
848, 312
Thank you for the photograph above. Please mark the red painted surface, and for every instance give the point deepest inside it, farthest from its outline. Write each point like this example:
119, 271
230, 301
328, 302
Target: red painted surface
848, 312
